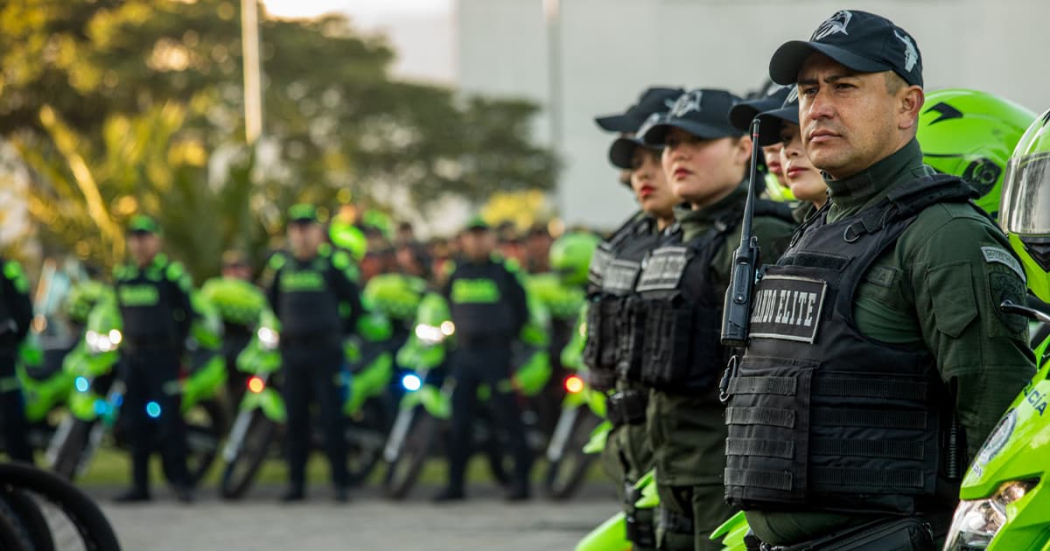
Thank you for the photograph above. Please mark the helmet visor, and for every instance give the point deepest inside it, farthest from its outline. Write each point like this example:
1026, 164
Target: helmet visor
1025, 209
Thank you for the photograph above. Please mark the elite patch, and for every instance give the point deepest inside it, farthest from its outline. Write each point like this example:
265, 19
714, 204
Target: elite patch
788, 308
619, 276
664, 269
1003, 287
1000, 256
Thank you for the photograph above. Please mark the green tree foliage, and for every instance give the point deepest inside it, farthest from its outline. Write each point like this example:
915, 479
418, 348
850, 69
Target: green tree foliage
136, 105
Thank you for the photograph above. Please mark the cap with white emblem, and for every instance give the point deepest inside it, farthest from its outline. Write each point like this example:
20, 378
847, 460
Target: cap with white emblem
861, 41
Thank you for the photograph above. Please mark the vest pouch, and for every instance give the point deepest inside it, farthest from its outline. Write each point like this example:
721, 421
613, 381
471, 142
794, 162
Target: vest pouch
611, 307
593, 344
768, 417
667, 346
631, 338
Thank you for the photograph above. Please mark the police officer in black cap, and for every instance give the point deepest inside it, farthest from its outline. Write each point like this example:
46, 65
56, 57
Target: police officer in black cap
879, 359
611, 359
489, 310
153, 294
313, 292
741, 116
681, 293
16, 313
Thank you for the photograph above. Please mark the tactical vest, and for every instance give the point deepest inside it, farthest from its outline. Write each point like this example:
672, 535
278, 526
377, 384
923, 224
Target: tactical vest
477, 304
307, 304
675, 315
144, 296
607, 315
820, 415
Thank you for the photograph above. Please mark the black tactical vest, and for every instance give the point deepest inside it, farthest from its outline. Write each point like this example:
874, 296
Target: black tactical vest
147, 305
820, 415
478, 305
614, 273
308, 306
677, 311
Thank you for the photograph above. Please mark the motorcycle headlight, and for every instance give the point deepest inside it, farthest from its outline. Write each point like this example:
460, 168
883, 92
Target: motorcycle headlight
268, 338
98, 343
977, 522
429, 334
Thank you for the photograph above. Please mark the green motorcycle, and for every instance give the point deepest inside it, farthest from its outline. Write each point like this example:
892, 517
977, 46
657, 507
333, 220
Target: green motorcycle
262, 415
426, 407
571, 453
98, 394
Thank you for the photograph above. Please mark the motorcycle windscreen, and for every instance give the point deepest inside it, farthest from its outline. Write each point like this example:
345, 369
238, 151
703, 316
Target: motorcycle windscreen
1025, 209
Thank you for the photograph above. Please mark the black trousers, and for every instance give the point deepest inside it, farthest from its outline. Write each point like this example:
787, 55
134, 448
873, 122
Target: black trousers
314, 374
13, 423
471, 368
152, 407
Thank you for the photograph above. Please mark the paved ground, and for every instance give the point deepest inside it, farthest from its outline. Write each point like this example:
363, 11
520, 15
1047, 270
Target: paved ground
367, 523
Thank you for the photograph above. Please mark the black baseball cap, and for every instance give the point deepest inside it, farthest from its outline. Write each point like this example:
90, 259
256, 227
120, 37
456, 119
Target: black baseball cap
621, 152
861, 41
769, 122
744, 112
653, 100
703, 113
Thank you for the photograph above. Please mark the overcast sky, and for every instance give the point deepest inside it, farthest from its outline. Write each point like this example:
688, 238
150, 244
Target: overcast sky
420, 30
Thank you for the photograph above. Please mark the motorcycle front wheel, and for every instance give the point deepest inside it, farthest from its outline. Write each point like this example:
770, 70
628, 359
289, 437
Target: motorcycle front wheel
251, 451
403, 470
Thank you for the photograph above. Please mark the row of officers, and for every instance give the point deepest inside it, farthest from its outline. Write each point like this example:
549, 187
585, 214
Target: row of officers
878, 359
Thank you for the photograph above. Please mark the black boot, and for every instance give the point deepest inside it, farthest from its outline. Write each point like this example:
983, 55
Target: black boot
134, 495
451, 493
518, 492
183, 493
294, 494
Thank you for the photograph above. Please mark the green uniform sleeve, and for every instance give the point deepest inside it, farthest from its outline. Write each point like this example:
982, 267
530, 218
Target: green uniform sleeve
959, 268
773, 234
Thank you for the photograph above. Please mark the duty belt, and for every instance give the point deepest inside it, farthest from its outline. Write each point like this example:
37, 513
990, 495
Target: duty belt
627, 407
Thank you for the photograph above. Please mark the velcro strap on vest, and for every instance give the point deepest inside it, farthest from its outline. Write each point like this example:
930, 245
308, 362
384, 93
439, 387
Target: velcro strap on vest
831, 477
888, 449
769, 480
835, 263
834, 417
754, 446
672, 522
783, 386
869, 388
775, 417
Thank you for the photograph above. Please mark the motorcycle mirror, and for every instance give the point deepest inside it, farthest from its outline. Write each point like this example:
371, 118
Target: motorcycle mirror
1009, 307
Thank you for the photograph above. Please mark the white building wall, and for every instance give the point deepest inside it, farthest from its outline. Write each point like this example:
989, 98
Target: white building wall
612, 49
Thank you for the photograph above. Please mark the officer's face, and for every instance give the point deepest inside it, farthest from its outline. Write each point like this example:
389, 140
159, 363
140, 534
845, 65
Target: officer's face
478, 244
806, 182
703, 171
852, 120
650, 184
304, 238
143, 247
772, 156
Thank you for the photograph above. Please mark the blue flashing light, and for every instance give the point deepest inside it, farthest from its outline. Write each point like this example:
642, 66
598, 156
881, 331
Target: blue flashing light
118, 400
101, 407
82, 384
153, 410
411, 382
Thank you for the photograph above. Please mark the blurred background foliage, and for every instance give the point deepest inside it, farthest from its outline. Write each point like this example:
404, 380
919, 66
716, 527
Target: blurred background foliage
125, 106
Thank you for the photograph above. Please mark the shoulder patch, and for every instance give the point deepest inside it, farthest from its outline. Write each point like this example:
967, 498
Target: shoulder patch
14, 272
277, 261
999, 255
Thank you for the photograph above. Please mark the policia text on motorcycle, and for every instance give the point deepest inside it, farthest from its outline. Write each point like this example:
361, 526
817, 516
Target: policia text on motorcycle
313, 293
153, 294
614, 271
878, 360
16, 313
489, 309
678, 314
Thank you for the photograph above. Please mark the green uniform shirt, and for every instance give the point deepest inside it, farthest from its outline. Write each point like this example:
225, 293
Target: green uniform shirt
688, 432
939, 288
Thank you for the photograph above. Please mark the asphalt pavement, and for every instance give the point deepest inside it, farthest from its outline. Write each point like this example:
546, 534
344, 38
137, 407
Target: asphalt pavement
368, 522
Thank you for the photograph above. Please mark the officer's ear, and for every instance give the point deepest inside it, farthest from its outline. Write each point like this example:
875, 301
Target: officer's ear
742, 151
